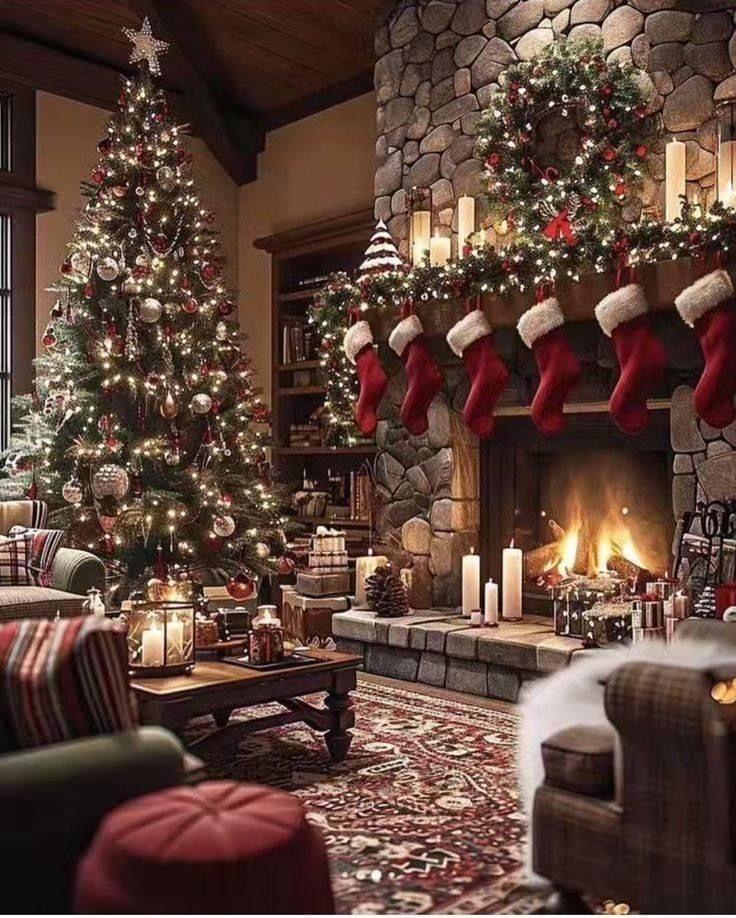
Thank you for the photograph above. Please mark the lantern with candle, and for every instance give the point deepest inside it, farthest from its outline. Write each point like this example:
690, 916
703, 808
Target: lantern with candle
419, 216
161, 638
364, 567
266, 639
726, 153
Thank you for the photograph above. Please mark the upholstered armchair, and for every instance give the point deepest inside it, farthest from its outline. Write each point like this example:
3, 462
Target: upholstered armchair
644, 812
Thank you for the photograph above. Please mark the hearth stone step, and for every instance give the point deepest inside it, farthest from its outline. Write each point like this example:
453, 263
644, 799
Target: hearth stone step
437, 647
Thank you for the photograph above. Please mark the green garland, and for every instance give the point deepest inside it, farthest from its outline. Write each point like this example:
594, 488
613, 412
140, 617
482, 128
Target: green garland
573, 79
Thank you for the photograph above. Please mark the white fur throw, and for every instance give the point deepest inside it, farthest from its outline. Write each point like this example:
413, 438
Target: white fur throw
539, 320
621, 306
404, 333
574, 697
702, 296
356, 338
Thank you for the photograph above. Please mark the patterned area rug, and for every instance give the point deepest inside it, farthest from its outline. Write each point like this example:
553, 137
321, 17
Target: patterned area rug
421, 817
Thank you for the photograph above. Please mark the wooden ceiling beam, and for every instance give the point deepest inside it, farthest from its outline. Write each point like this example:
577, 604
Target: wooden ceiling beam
236, 146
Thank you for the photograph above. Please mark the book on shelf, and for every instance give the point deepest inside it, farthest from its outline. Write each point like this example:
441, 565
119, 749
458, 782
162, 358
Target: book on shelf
360, 495
297, 341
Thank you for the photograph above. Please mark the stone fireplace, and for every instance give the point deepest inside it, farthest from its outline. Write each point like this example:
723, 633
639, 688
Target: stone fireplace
438, 65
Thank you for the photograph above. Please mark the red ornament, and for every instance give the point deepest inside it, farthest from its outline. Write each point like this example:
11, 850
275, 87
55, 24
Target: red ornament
112, 443
160, 243
225, 307
185, 284
640, 111
612, 124
104, 146
641, 151
606, 112
285, 566
242, 586
507, 266
607, 90
209, 272
493, 161
65, 267
620, 190
89, 290
190, 305
98, 176
695, 238
209, 217
609, 154
49, 338
141, 271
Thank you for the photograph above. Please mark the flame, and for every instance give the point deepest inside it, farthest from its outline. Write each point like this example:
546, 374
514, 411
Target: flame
614, 537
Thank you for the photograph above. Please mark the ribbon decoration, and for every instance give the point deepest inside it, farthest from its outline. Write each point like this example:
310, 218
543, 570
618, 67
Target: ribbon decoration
559, 227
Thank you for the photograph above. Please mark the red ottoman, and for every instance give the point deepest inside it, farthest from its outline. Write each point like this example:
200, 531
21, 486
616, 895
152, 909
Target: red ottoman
220, 847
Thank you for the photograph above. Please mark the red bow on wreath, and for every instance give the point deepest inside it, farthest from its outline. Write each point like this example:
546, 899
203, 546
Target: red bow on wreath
559, 227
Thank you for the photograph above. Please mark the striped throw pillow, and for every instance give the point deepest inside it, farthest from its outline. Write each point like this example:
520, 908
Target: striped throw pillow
44, 545
15, 561
64, 679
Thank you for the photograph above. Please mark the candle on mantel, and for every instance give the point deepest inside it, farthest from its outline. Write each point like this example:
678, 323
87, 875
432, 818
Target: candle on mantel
471, 582
674, 179
152, 646
727, 173
421, 229
512, 572
491, 603
174, 640
364, 567
440, 249
465, 220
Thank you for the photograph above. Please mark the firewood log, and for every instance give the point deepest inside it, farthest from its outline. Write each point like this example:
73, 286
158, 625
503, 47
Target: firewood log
557, 531
629, 570
582, 553
539, 560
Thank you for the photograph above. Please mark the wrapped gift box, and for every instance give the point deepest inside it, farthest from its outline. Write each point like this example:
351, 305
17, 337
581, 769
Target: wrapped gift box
308, 619
323, 584
606, 623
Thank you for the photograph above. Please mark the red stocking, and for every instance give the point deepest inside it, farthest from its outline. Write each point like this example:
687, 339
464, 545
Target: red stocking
541, 330
623, 316
472, 339
709, 307
358, 346
422, 373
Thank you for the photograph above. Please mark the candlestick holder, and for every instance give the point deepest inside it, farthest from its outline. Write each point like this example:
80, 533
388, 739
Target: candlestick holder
419, 222
161, 638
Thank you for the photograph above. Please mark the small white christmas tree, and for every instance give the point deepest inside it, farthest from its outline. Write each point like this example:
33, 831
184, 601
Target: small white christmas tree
381, 254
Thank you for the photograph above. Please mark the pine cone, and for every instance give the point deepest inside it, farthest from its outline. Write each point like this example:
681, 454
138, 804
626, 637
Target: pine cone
386, 593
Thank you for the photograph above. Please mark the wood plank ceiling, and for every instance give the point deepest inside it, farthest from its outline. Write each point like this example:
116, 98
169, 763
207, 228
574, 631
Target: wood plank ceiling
237, 68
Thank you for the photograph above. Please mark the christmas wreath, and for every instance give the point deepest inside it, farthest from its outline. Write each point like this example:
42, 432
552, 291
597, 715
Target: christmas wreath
607, 106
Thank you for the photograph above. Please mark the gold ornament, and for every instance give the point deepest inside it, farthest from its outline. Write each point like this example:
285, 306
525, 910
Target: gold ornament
262, 550
166, 177
223, 526
110, 480
151, 310
169, 407
108, 269
72, 491
146, 47
201, 403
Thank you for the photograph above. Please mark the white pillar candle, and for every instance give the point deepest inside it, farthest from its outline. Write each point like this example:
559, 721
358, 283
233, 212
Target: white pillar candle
674, 179
727, 173
471, 582
680, 605
440, 249
364, 567
174, 640
512, 573
465, 221
421, 229
491, 603
152, 647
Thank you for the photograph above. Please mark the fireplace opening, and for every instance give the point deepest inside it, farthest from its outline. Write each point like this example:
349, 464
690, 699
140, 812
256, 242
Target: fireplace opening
585, 506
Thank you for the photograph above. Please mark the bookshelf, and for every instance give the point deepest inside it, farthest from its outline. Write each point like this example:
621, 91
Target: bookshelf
301, 259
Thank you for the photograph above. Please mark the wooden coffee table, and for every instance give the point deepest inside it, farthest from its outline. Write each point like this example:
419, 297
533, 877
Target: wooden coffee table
219, 688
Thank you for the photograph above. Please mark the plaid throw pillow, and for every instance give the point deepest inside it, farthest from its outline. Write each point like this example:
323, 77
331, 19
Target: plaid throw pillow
44, 545
64, 679
15, 561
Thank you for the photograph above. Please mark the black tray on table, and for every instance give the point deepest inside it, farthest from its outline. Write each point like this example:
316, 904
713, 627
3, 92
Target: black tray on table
294, 660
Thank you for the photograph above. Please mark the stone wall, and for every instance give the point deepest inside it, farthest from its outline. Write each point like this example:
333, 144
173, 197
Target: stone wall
438, 64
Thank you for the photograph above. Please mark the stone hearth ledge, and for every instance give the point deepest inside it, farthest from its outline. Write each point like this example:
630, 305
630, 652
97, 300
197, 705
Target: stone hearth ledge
438, 648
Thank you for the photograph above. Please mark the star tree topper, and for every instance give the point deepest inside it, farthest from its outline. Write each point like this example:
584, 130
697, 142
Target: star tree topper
146, 47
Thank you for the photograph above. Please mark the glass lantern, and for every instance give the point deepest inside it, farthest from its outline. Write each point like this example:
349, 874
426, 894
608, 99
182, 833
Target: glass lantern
726, 155
419, 216
161, 638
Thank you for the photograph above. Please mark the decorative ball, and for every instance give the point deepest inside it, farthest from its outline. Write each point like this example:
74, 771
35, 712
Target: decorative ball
262, 550
221, 331
190, 305
72, 491
242, 586
209, 273
169, 407
81, 263
201, 403
286, 566
129, 285
143, 260
140, 191
160, 243
172, 456
119, 190
49, 338
225, 308
166, 177
223, 526
151, 310
110, 480
108, 269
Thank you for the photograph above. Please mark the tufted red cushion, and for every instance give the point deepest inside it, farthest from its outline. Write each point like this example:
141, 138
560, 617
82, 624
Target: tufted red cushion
219, 847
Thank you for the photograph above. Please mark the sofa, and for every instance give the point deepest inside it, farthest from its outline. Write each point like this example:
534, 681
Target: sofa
73, 572
642, 811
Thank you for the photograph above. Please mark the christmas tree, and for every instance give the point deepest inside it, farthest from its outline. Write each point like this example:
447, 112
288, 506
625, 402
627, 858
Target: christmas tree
145, 430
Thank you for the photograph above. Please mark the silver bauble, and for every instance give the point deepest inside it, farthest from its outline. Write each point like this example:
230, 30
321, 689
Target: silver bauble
223, 526
81, 263
108, 269
110, 480
72, 491
262, 550
150, 310
201, 403
166, 177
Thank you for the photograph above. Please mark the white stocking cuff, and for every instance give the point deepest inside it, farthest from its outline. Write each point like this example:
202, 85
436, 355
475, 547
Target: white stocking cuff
540, 320
356, 338
404, 333
469, 329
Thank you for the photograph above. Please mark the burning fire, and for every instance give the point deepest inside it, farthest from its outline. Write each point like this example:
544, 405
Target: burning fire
583, 552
